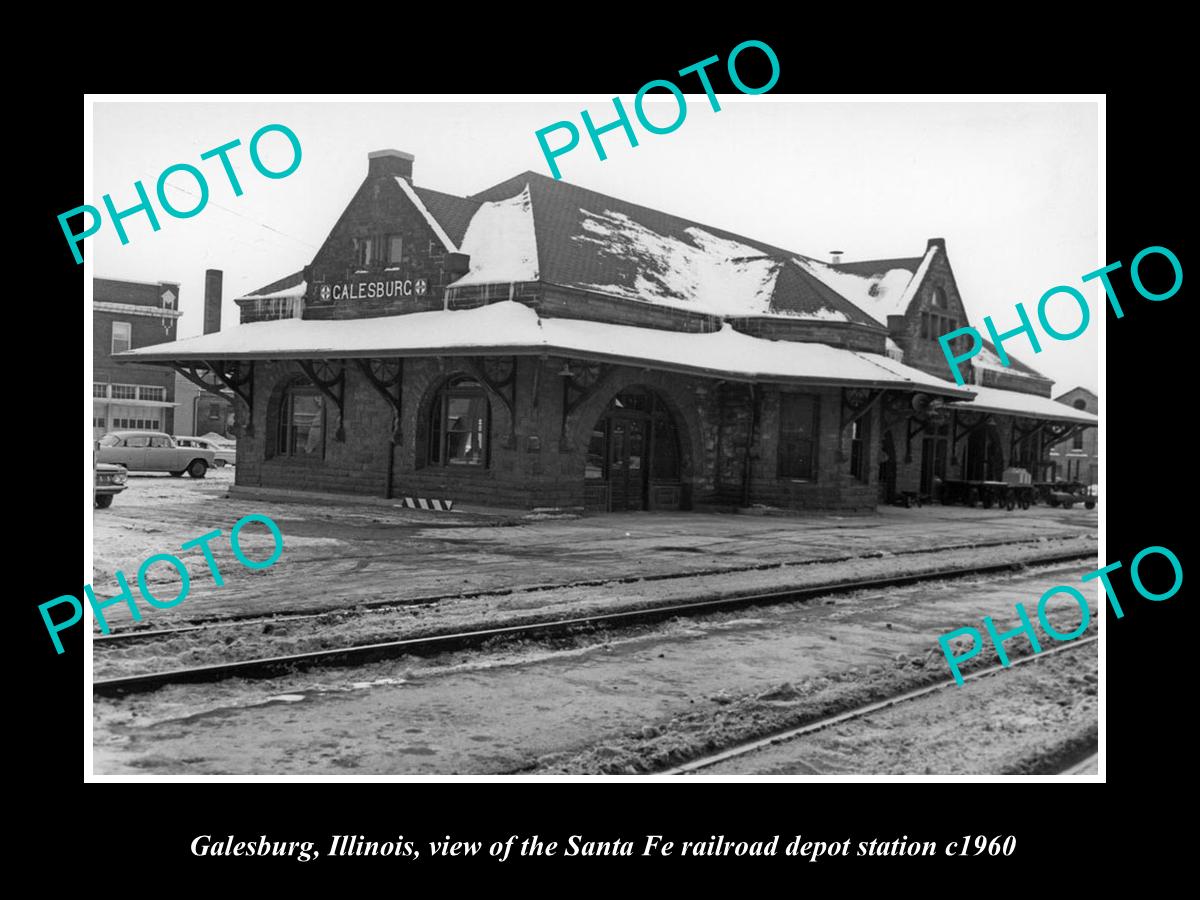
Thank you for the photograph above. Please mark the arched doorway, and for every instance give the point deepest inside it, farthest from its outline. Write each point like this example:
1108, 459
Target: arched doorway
633, 457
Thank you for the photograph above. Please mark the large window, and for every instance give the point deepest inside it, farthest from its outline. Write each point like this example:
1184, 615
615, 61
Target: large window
798, 436
395, 248
121, 337
302, 423
460, 425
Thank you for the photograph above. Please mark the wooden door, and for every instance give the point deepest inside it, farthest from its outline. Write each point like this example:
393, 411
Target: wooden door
627, 463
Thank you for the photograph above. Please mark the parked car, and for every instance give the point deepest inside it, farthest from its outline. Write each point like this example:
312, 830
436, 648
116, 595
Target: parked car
153, 451
109, 481
224, 452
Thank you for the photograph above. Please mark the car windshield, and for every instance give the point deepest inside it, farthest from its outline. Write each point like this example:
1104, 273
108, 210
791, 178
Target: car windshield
109, 440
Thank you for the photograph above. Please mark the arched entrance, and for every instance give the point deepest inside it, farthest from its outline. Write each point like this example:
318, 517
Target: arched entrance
633, 458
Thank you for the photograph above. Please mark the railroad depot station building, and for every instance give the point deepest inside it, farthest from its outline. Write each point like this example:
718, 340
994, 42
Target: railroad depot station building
542, 345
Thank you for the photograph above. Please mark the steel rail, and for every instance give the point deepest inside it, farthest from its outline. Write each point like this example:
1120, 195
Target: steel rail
704, 762
133, 635
440, 643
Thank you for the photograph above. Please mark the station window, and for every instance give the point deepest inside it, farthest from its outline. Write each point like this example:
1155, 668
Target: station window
362, 252
395, 248
121, 337
460, 425
1077, 440
99, 389
798, 435
436, 248
302, 423
938, 298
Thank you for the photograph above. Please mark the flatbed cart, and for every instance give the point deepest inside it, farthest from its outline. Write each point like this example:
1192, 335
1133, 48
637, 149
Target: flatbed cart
988, 493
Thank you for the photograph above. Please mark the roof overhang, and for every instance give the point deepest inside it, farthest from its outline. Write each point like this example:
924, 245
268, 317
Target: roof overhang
513, 329
1030, 406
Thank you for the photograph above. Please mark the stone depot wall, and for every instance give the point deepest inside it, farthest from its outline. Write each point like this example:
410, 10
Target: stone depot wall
537, 461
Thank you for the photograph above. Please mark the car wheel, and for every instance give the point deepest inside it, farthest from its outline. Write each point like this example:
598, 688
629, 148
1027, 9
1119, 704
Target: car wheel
178, 474
197, 468
104, 501
1091, 504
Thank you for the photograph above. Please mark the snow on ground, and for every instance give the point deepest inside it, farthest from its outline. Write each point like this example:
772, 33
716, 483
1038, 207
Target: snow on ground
710, 274
350, 625
628, 701
501, 242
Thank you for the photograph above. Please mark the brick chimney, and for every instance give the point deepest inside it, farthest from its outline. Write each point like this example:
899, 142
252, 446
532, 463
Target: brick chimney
390, 162
212, 300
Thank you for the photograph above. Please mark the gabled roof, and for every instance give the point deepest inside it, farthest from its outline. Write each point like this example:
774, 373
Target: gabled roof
874, 286
869, 267
1077, 388
595, 242
452, 213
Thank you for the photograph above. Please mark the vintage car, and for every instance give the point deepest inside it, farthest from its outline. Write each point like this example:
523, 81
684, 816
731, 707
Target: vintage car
153, 451
224, 451
109, 481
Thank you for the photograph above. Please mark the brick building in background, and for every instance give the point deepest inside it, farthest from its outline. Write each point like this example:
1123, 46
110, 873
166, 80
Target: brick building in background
1078, 459
202, 411
541, 344
127, 315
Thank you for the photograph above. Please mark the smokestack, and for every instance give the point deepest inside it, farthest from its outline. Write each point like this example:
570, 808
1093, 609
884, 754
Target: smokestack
212, 300
390, 162
835, 256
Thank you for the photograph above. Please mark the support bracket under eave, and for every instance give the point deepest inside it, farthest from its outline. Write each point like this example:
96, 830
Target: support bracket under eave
387, 377
329, 377
234, 375
577, 388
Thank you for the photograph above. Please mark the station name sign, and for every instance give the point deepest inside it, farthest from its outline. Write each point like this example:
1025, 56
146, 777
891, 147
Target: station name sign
372, 290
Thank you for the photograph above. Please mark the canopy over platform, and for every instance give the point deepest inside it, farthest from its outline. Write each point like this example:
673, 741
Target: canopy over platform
1015, 403
513, 329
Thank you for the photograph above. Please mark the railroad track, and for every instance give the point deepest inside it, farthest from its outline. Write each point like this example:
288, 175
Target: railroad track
750, 747
133, 635
440, 643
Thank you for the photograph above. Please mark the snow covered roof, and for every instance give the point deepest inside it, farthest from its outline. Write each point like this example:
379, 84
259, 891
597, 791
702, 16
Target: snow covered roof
881, 288
421, 208
289, 286
502, 242
987, 358
594, 242
509, 328
989, 399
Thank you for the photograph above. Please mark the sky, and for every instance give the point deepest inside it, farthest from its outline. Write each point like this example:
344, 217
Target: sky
1011, 186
